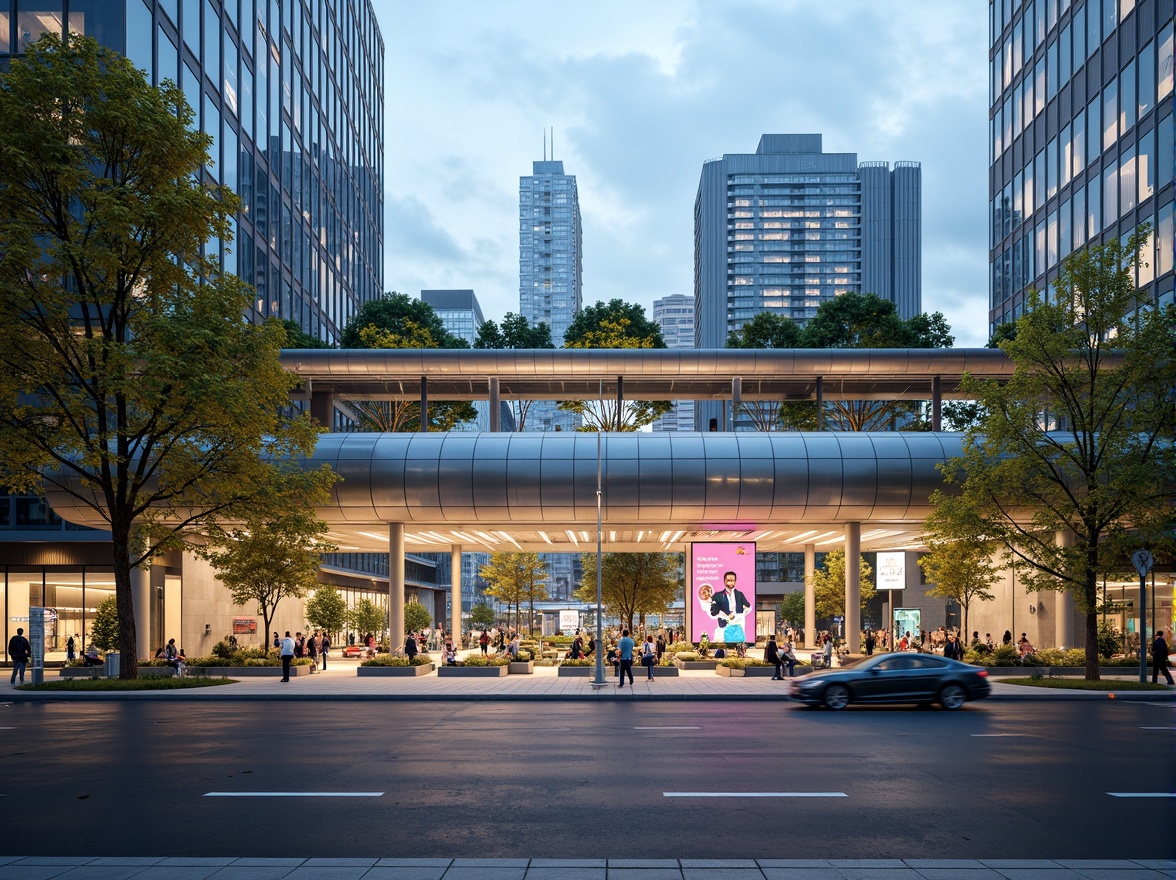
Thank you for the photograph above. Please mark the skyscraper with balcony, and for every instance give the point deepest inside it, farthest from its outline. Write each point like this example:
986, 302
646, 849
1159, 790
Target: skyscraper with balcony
674, 314
789, 227
550, 266
1080, 134
292, 94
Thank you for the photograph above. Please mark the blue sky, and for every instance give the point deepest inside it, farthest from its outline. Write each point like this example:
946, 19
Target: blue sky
640, 94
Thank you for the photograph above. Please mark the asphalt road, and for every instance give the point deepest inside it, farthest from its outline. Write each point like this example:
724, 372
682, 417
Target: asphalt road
993, 780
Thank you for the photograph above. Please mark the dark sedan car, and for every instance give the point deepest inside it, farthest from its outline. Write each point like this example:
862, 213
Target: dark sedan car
895, 678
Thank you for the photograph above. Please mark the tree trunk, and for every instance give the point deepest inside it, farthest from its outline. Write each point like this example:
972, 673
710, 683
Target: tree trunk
127, 634
1090, 590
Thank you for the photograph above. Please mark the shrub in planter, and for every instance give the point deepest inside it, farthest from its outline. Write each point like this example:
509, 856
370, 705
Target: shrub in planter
734, 662
581, 662
479, 660
687, 655
525, 655
389, 660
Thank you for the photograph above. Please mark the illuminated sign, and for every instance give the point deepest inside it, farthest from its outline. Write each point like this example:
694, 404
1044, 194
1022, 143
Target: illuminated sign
244, 626
891, 571
722, 592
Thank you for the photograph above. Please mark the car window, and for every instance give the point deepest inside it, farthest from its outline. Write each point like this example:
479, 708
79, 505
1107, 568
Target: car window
927, 663
890, 664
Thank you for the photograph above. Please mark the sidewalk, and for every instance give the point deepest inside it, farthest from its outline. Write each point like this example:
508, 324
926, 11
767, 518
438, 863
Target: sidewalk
92, 868
340, 682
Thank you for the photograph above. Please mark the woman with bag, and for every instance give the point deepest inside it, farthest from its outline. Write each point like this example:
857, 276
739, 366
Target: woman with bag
649, 656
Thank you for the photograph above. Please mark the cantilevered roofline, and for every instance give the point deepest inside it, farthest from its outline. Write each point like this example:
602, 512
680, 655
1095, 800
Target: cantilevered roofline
646, 374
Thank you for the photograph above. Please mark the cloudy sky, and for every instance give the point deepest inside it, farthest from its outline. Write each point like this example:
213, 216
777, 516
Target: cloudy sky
640, 94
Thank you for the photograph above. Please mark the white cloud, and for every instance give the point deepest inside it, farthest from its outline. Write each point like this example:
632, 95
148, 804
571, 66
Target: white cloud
640, 95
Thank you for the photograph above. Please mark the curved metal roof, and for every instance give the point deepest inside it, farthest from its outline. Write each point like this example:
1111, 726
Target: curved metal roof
537, 491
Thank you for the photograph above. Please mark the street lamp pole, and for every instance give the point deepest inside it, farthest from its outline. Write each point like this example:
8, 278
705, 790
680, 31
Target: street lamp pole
599, 681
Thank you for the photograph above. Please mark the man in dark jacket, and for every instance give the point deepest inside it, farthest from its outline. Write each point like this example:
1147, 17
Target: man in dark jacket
1159, 658
952, 650
772, 655
19, 651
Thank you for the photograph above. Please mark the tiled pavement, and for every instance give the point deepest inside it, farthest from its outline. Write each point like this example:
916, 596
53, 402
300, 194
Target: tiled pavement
340, 682
180, 868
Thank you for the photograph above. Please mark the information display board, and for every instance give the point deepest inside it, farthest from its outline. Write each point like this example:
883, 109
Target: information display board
722, 592
907, 620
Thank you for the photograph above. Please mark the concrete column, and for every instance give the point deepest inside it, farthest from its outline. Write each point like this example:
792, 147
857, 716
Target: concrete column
395, 585
1064, 604
810, 595
936, 404
820, 404
322, 408
424, 403
455, 600
495, 406
620, 399
736, 399
141, 600
853, 586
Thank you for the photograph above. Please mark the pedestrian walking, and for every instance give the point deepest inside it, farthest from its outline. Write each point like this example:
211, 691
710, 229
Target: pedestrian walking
19, 651
1160, 658
649, 656
277, 640
484, 641
625, 655
788, 657
870, 643
324, 647
772, 655
286, 649
71, 650
312, 651
410, 647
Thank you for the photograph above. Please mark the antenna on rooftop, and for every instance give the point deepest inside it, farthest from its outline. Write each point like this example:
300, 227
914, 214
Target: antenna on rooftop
545, 145
553, 143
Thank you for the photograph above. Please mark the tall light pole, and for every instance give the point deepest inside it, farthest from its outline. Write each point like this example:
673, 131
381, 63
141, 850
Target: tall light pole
598, 681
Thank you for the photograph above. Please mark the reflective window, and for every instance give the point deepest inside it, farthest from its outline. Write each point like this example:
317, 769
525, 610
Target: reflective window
35, 18
171, 7
1145, 168
1110, 104
1128, 188
1079, 218
1127, 106
1065, 234
139, 43
1164, 148
192, 93
192, 26
1164, 240
99, 19
1051, 240
212, 42
1051, 169
168, 59
1164, 64
229, 86
1078, 142
1078, 23
5, 30
1093, 129
1110, 193
1065, 161
1093, 28
1093, 207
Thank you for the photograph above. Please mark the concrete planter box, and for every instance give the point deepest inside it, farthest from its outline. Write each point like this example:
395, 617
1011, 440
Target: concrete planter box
1079, 671
394, 671
521, 667
580, 671
472, 671
760, 671
729, 672
246, 671
658, 671
696, 665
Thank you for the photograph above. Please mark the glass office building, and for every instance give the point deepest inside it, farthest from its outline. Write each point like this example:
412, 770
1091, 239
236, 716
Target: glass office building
674, 314
292, 93
1081, 139
789, 227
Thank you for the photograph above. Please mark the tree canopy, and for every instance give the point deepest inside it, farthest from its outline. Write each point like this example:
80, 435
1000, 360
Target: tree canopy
959, 564
395, 320
615, 324
631, 583
829, 585
767, 330
125, 360
416, 617
369, 617
515, 333
516, 578
326, 609
1078, 443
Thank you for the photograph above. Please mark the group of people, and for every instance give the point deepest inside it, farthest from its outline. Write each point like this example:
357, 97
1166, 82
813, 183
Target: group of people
174, 656
780, 657
316, 646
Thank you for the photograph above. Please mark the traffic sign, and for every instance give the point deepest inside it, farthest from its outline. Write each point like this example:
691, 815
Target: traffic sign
1142, 560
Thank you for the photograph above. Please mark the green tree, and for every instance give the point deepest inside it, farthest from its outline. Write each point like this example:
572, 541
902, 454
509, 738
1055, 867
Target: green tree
104, 629
515, 578
128, 378
615, 324
767, 330
829, 585
959, 563
792, 607
267, 560
394, 320
1078, 442
481, 615
326, 609
416, 617
369, 617
863, 320
515, 333
297, 338
632, 583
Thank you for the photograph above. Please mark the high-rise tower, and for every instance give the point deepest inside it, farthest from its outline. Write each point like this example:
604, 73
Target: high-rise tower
1080, 137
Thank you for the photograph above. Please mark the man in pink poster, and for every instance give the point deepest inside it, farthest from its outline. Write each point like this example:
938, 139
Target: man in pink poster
729, 608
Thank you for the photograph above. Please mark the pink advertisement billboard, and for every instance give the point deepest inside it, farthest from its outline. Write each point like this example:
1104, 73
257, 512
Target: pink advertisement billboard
722, 590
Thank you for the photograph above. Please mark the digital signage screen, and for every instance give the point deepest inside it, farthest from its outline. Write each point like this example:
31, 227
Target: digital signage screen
722, 592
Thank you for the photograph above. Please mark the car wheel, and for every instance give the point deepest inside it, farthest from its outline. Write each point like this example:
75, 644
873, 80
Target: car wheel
836, 697
952, 696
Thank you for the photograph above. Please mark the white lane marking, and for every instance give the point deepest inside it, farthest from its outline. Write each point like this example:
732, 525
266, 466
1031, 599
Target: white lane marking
754, 794
1142, 794
1142, 728
293, 794
1002, 734
667, 728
